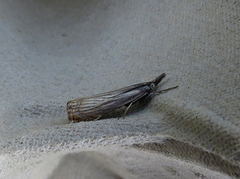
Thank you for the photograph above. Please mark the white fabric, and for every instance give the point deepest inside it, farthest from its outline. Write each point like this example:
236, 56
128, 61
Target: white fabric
55, 51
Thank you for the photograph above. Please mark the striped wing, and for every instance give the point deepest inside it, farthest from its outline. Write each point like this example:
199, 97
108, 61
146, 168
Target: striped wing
94, 107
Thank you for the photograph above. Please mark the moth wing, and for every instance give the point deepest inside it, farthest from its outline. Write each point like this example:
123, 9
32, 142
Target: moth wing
109, 101
91, 107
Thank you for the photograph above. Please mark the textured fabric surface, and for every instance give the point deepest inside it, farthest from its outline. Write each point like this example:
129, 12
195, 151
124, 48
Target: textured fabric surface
55, 51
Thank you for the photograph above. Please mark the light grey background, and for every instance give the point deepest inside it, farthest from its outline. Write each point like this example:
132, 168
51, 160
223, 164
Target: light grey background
54, 51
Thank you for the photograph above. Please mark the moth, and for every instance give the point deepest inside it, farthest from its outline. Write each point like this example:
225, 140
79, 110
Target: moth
93, 107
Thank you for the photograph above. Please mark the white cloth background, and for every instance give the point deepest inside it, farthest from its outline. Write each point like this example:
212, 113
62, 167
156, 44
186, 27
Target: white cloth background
55, 51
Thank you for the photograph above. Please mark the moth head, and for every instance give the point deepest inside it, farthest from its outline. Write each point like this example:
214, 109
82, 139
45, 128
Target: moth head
154, 83
152, 86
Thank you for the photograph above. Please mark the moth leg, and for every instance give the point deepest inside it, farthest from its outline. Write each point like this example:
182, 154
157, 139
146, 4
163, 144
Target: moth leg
127, 110
168, 89
98, 117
